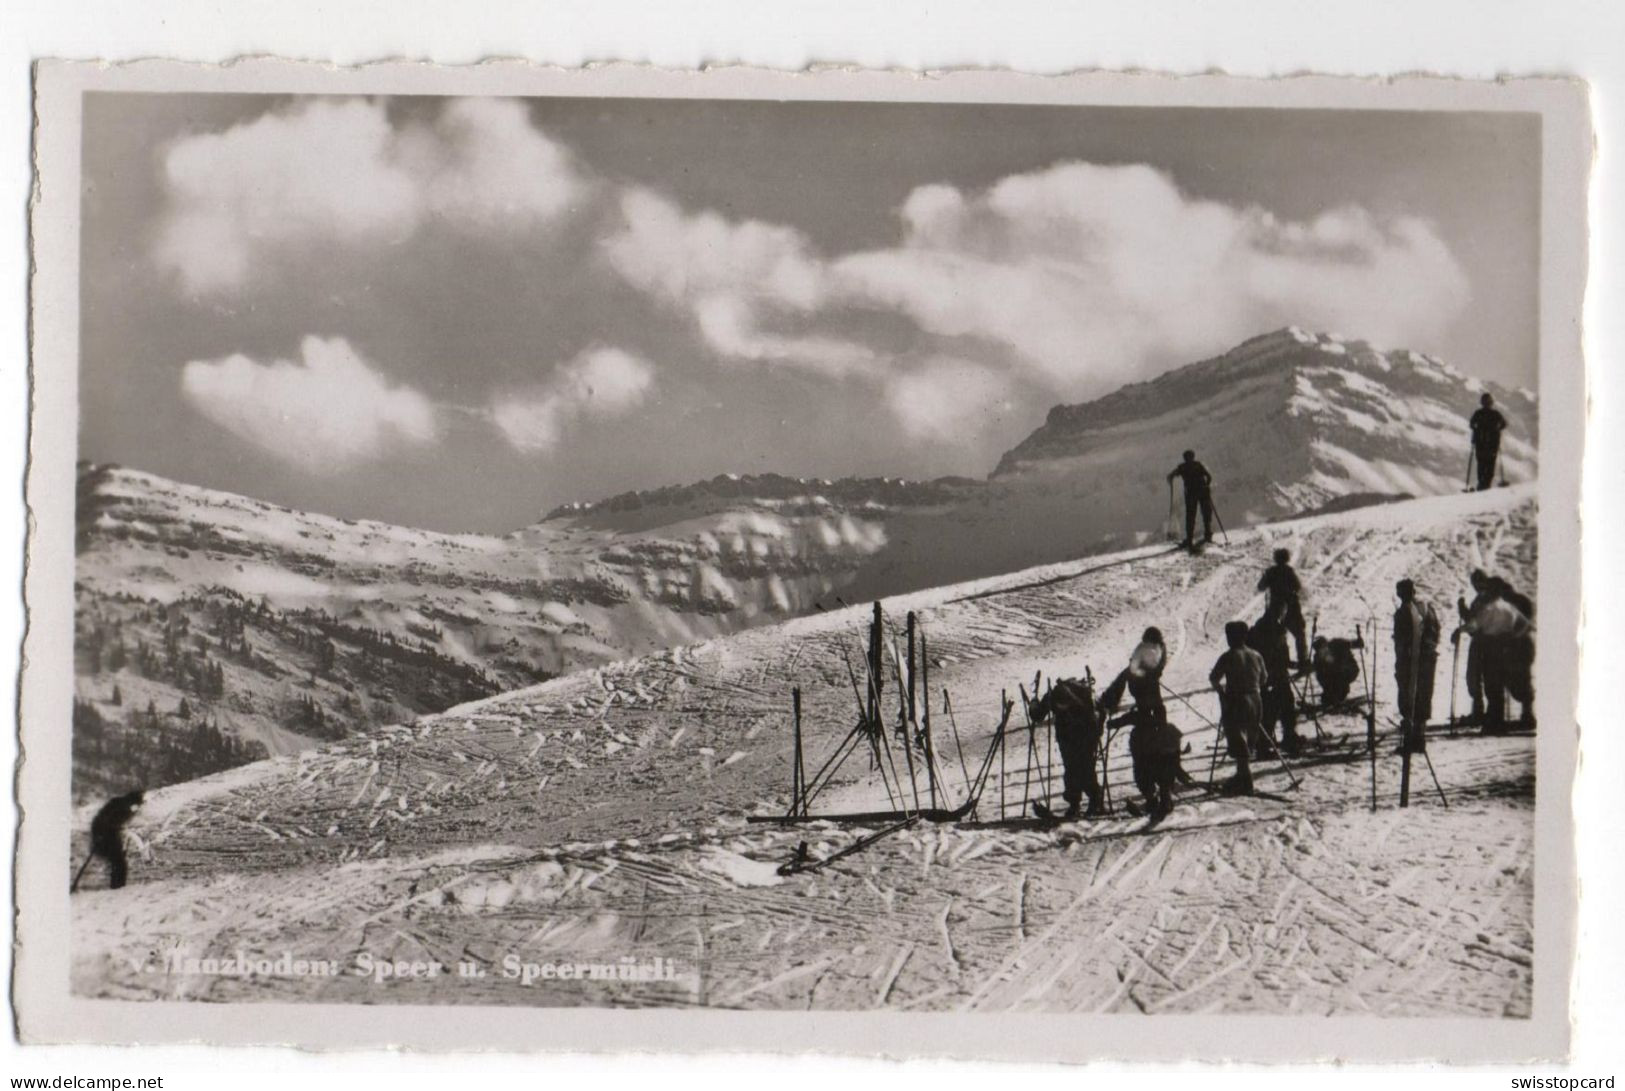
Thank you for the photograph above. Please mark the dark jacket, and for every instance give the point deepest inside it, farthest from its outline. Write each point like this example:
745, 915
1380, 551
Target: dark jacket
1416, 630
1281, 582
1194, 475
1335, 660
1487, 425
107, 828
1268, 639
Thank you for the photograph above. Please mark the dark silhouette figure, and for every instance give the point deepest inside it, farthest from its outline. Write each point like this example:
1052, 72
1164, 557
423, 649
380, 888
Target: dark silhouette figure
1285, 602
1416, 663
1336, 669
1198, 495
1154, 747
1078, 729
1239, 677
1267, 637
107, 835
1487, 424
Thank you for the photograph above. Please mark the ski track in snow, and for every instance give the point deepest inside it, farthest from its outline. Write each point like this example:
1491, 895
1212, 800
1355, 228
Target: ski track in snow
602, 815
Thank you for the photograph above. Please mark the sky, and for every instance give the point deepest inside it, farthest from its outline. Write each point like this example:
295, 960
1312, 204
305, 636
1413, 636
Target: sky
460, 313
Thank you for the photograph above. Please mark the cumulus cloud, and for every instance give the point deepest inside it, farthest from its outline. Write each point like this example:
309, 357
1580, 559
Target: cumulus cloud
598, 384
945, 400
732, 276
343, 172
1074, 279
1092, 274
323, 413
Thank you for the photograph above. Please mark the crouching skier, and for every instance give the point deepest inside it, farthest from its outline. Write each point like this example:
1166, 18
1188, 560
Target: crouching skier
1336, 669
1239, 676
1154, 748
1078, 729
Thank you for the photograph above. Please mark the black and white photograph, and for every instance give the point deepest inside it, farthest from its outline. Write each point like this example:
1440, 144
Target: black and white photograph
988, 549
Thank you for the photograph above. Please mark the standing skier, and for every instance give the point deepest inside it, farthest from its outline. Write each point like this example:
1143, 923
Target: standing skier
1268, 638
1143, 680
1238, 676
1483, 593
1504, 639
1487, 424
1198, 495
1153, 743
1486, 589
1284, 604
1079, 726
1416, 662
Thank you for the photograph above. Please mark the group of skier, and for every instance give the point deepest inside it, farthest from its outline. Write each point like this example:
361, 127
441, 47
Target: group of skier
1255, 677
1256, 682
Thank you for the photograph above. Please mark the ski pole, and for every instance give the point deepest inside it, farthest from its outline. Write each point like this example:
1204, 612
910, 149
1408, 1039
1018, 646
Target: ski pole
1213, 762
1436, 785
1106, 769
1269, 737
1371, 715
1455, 659
1218, 519
1032, 748
1467, 485
948, 707
80, 874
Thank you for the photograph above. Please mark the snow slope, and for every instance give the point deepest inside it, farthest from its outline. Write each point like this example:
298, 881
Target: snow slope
413, 621
603, 814
1289, 422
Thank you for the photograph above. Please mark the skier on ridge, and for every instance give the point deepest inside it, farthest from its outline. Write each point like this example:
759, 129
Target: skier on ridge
1487, 424
1198, 494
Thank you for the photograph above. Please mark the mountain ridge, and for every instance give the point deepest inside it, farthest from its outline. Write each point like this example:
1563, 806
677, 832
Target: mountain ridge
323, 625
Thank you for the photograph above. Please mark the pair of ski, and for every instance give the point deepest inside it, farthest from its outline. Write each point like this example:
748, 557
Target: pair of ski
1047, 818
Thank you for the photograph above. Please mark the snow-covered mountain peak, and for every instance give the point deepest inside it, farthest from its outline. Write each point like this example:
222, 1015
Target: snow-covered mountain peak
1287, 422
